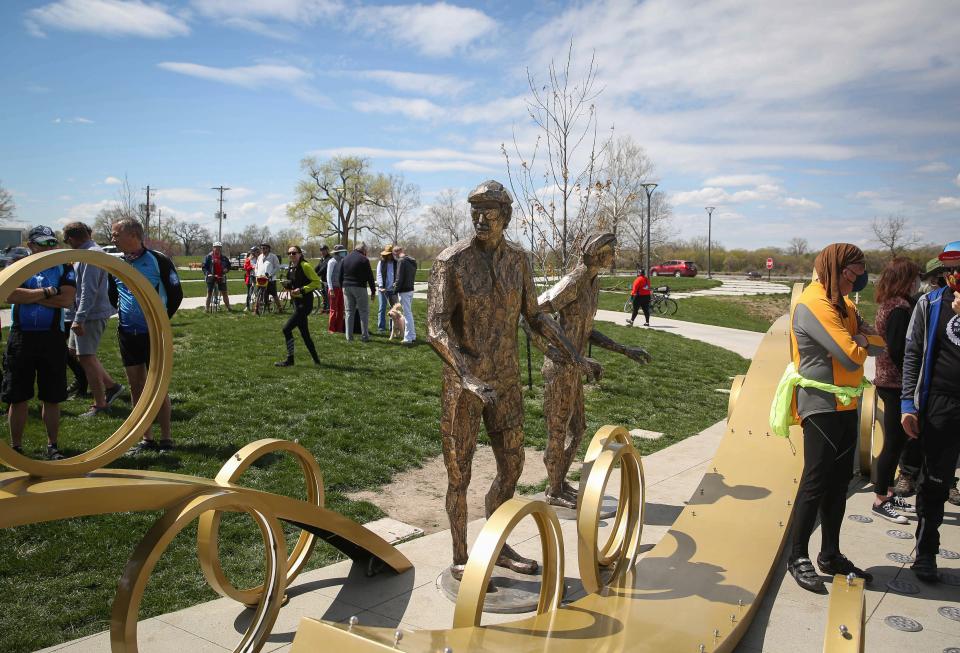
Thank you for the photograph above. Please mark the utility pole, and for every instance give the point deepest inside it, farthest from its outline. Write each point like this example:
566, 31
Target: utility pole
709, 210
159, 212
649, 188
220, 215
146, 210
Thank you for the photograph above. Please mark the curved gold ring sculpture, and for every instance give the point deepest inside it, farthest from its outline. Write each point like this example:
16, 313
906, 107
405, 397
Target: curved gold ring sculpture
208, 530
620, 551
486, 550
871, 430
126, 605
735, 388
158, 376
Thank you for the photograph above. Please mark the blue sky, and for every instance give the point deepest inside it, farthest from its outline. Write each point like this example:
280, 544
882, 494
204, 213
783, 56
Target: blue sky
794, 119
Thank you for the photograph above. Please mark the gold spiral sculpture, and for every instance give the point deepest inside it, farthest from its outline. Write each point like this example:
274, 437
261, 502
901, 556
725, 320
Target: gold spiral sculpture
41, 491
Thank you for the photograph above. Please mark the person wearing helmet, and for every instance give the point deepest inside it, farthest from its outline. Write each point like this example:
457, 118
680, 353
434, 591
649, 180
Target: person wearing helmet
930, 404
479, 287
249, 278
215, 267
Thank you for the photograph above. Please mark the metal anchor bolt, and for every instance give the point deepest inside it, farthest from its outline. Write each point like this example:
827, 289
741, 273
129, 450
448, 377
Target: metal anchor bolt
353, 622
844, 631
850, 578
397, 636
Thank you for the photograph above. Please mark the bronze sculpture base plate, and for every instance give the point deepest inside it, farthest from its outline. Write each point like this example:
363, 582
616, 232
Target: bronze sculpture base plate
608, 510
511, 592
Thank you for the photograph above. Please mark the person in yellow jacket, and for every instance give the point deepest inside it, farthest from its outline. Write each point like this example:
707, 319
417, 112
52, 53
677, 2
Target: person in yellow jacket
829, 341
301, 281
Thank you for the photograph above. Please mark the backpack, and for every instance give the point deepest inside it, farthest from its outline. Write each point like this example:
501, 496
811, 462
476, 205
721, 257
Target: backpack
168, 277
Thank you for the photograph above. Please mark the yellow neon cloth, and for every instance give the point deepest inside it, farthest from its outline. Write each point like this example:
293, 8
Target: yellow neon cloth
781, 414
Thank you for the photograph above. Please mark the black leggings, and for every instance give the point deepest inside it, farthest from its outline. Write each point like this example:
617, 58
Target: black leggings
829, 443
894, 439
641, 301
302, 307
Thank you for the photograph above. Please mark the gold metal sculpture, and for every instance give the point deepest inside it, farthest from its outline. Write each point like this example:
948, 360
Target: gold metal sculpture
871, 431
846, 618
43, 491
478, 289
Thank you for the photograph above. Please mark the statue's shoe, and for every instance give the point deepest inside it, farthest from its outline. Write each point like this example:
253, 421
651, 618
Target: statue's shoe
513, 561
562, 501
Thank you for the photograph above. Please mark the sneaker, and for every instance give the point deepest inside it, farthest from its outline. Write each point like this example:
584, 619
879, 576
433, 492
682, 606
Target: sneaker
285, 363
806, 576
76, 391
166, 444
17, 448
142, 447
903, 505
53, 453
94, 411
114, 392
954, 496
839, 564
925, 568
905, 486
629, 322
888, 512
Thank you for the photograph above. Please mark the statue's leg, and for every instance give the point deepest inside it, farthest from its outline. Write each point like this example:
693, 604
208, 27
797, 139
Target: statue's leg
576, 427
560, 395
504, 422
459, 423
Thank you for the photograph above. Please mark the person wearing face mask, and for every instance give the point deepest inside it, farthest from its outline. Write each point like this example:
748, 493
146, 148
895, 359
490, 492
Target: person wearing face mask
829, 343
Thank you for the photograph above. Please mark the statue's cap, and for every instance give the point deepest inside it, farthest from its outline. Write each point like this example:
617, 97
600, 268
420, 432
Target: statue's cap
490, 191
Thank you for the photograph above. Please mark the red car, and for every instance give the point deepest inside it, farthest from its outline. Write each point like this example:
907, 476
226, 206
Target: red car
674, 269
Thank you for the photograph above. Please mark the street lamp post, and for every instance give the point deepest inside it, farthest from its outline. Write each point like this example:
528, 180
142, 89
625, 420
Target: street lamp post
709, 210
649, 188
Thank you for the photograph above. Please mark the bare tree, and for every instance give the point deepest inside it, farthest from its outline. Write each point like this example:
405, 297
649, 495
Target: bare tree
190, 235
447, 220
633, 228
103, 223
8, 207
329, 199
557, 197
798, 246
891, 233
395, 221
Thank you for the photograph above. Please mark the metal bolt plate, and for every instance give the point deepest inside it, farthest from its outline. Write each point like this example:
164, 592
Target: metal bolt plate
903, 586
952, 649
949, 578
947, 554
900, 558
903, 624
863, 519
950, 612
900, 535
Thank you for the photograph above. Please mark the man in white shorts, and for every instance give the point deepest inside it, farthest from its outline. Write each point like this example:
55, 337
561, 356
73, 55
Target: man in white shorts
91, 311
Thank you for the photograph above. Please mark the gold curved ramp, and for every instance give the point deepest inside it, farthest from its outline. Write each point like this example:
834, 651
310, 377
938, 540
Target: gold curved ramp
696, 590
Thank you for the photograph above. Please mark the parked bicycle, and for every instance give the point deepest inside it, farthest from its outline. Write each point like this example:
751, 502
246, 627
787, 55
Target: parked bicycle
660, 302
262, 303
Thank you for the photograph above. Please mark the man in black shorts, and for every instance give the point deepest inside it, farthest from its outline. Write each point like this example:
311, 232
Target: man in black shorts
37, 349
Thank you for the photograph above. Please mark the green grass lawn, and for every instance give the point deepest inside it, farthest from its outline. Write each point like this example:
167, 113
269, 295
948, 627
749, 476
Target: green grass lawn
677, 284
369, 411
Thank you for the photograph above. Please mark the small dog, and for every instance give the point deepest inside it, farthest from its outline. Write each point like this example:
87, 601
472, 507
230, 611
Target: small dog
397, 323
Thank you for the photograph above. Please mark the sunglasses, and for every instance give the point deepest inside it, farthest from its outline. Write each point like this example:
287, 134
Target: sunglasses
292, 253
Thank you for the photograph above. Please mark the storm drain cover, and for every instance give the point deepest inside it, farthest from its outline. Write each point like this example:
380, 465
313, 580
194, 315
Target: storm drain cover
952, 649
904, 624
903, 586
950, 612
947, 554
863, 519
900, 535
949, 578
900, 558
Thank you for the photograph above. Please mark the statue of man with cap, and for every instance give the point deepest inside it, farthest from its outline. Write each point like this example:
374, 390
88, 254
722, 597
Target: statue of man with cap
478, 289
574, 301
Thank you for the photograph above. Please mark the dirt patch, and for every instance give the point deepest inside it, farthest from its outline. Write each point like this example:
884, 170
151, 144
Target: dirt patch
417, 496
766, 307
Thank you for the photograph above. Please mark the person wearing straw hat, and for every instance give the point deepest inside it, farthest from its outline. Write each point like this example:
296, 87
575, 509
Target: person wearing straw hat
386, 285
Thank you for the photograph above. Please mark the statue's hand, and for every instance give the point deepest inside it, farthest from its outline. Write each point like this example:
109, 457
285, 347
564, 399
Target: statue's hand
638, 354
482, 390
592, 369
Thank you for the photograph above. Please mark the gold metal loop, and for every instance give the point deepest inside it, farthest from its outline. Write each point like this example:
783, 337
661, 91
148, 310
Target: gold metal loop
735, 388
486, 550
158, 376
845, 617
208, 528
608, 435
126, 604
621, 549
868, 430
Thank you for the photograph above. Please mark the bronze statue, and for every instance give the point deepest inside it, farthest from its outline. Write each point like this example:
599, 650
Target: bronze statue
574, 300
478, 289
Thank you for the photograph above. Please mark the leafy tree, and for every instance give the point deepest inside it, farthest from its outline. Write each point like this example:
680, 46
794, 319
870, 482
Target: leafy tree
331, 197
189, 234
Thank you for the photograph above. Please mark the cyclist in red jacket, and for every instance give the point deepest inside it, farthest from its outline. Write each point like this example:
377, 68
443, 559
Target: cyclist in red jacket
640, 293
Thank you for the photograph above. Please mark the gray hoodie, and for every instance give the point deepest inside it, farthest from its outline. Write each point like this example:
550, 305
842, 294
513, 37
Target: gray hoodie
93, 301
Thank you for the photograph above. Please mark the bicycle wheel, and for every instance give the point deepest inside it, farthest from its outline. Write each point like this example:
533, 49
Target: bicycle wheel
628, 306
260, 301
667, 306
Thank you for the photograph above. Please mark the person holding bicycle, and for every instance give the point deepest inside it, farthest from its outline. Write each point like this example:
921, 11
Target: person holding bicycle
267, 266
640, 294
301, 281
215, 267
249, 276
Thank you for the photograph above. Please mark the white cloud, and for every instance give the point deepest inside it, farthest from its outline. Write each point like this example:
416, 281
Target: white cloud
292, 11
425, 83
265, 75
947, 203
86, 211
935, 166
111, 181
957, 180
712, 195
436, 30
867, 195
420, 165
278, 215
78, 120
416, 108
107, 18
500, 110
801, 203
489, 158
184, 195
739, 180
